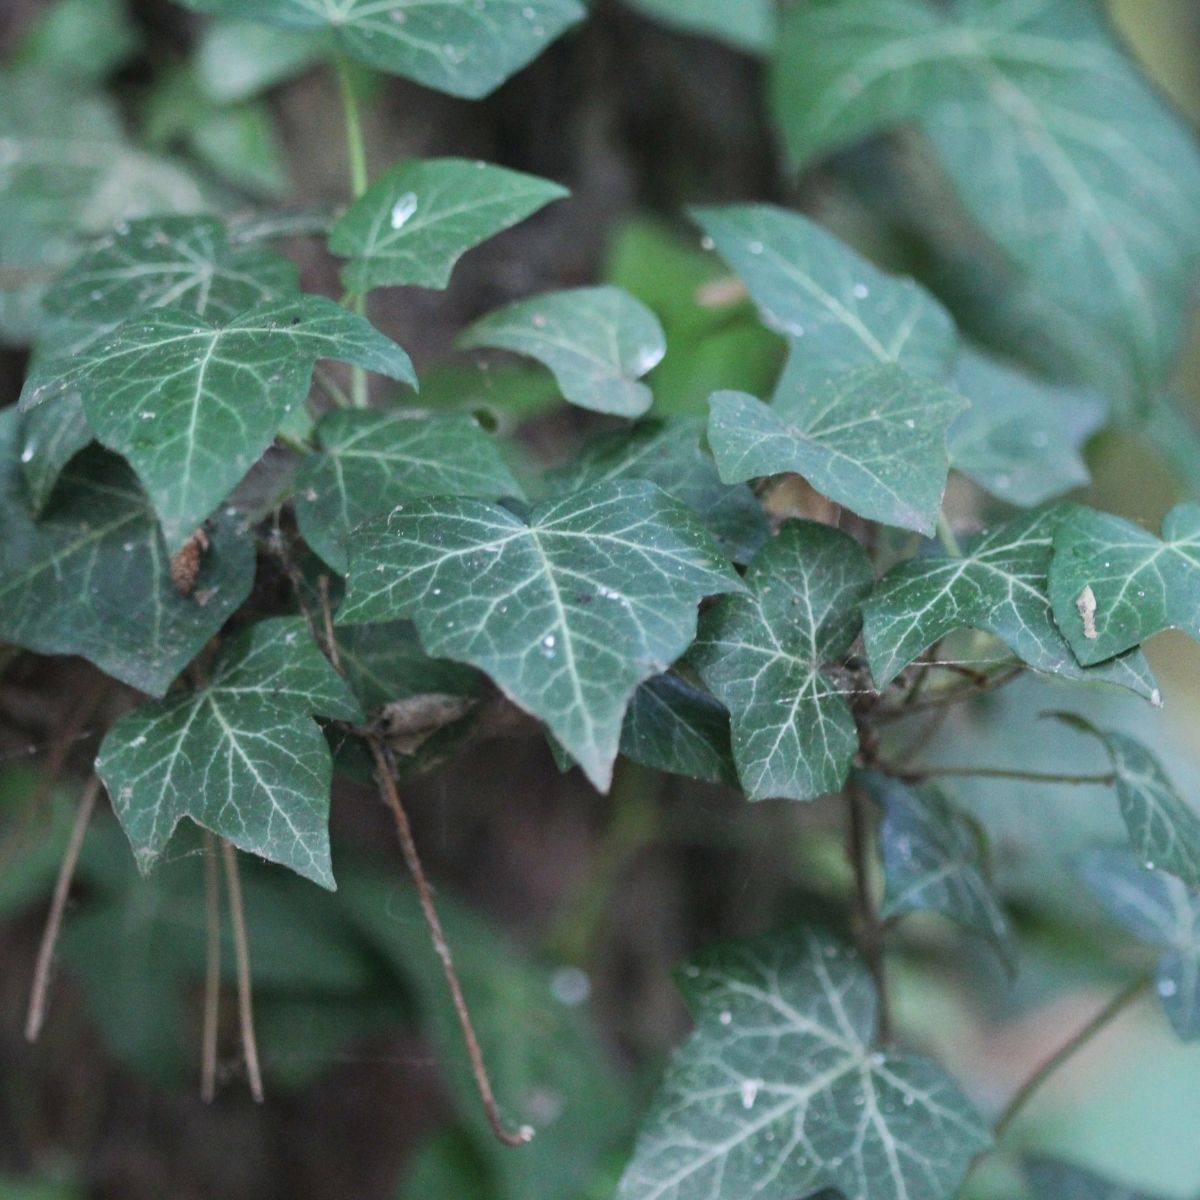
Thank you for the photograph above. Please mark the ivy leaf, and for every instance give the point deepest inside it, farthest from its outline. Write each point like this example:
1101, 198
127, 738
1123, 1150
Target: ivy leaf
1064, 1181
418, 220
238, 60
464, 47
240, 757
998, 586
669, 454
185, 262
1042, 124
843, 311
1161, 911
567, 612
1113, 585
674, 727
1164, 829
597, 342
1021, 438
99, 526
933, 860
766, 657
371, 460
777, 1094
749, 25
873, 440
193, 402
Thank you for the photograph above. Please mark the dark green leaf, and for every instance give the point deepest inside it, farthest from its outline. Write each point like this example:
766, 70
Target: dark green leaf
766, 656
464, 47
598, 342
998, 586
840, 311
1021, 438
1161, 911
241, 757
933, 860
1053, 1180
1114, 585
674, 727
193, 402
371, 461
778, 1094
1163, 828
669, 454
418, 220
92, 577
568, 613
873, 440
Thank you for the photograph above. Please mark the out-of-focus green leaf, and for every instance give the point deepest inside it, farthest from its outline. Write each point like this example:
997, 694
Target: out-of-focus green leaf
82, 40
236, 60
747, 24
1053, 1180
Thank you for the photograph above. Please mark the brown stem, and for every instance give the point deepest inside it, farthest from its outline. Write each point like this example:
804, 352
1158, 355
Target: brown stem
212, 974
331, 647
950, 696
917, 774
870, 926
62, 889
391, 796
1113, 1009
241, 951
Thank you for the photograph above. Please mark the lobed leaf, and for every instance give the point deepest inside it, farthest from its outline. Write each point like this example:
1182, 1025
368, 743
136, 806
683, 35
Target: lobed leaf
372, 460
93, 577
1114, 585
1161, 911
598, 342
999, 586
778, 1093
241, 757
413, 224
464, 47
193, 402
766, 656
568, 612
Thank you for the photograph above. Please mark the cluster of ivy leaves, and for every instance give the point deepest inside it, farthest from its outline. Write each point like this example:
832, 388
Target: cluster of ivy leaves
639, 600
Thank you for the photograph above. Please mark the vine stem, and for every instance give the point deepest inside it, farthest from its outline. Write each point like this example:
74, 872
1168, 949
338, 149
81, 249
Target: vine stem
870, 924
945, 533
391, 796
916, 774
241, 952
1109, 1013
356, 153
212, 973
62, 889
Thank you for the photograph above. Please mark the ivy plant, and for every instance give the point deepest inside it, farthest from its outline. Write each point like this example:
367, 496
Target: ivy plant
225, 489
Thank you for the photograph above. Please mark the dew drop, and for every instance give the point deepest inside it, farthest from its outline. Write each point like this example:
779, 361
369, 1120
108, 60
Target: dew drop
403, 209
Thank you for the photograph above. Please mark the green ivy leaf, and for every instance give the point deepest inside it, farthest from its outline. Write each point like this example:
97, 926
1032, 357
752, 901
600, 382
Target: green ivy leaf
1064, 1181
1161, 911
873, 440
418, 220
184, 262
840, 311
778, 1094
1113, 585
748, 25
237, 60
1042, 124
79, 40
567, 612
1164, 829
598, 342
1021, 438
674, 727
766, 656
193, 402
240, 757
933, 860
372, 460
464, 47
92, 577
669, 454
998, 586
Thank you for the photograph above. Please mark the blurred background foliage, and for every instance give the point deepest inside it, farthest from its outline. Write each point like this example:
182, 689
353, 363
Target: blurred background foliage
566, 909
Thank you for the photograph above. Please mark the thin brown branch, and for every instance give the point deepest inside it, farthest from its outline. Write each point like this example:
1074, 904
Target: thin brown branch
212, 974
331, 647
58, 904
391, 796
241, 951
918, 774
950, 696
870, 927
